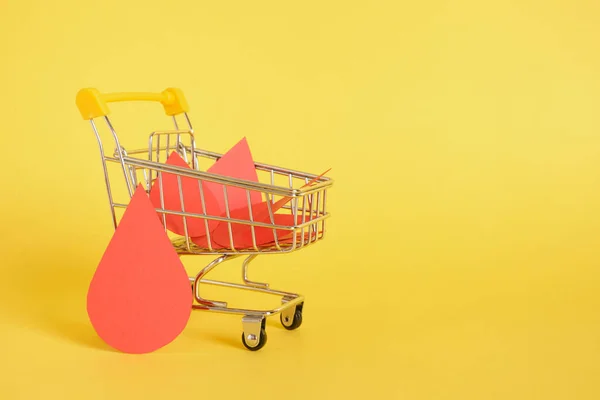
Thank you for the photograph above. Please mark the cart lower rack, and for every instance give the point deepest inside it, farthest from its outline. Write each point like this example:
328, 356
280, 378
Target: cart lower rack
301, 197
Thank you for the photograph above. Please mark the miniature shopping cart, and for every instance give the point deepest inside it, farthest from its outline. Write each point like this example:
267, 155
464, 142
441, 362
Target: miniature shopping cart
307, 194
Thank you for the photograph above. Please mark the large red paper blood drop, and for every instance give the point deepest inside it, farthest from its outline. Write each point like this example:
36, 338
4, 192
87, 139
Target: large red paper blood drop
139, 299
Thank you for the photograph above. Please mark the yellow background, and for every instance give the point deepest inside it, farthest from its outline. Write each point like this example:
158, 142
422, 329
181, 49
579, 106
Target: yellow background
462, 255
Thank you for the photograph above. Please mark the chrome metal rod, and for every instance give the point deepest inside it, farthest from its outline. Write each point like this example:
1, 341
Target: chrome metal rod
105, 169
247, 281
266, 167
121, 160
233, 220
203, 273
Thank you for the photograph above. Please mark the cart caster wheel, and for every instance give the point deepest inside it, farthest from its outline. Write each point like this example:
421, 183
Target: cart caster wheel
291, 322
262, 340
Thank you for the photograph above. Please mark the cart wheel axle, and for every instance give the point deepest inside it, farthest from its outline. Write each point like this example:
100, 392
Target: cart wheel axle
262, 340
292, 320
254, 336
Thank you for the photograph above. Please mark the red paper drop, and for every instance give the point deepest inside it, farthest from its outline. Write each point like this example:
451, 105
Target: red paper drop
242, 234
139, 299
236, 163
191, 200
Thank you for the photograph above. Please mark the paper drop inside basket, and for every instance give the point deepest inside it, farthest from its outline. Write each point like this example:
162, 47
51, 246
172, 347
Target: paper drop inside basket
236, 163
192, 201
139, 299
242, 234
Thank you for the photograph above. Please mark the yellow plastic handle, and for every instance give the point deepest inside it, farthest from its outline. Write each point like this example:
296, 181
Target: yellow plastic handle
93, 104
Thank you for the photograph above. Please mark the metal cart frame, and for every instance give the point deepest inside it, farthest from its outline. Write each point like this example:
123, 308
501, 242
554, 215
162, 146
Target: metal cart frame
307, 204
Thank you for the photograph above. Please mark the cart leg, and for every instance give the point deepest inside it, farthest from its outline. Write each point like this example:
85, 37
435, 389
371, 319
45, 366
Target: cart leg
247, 281
201, 274
254, 336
